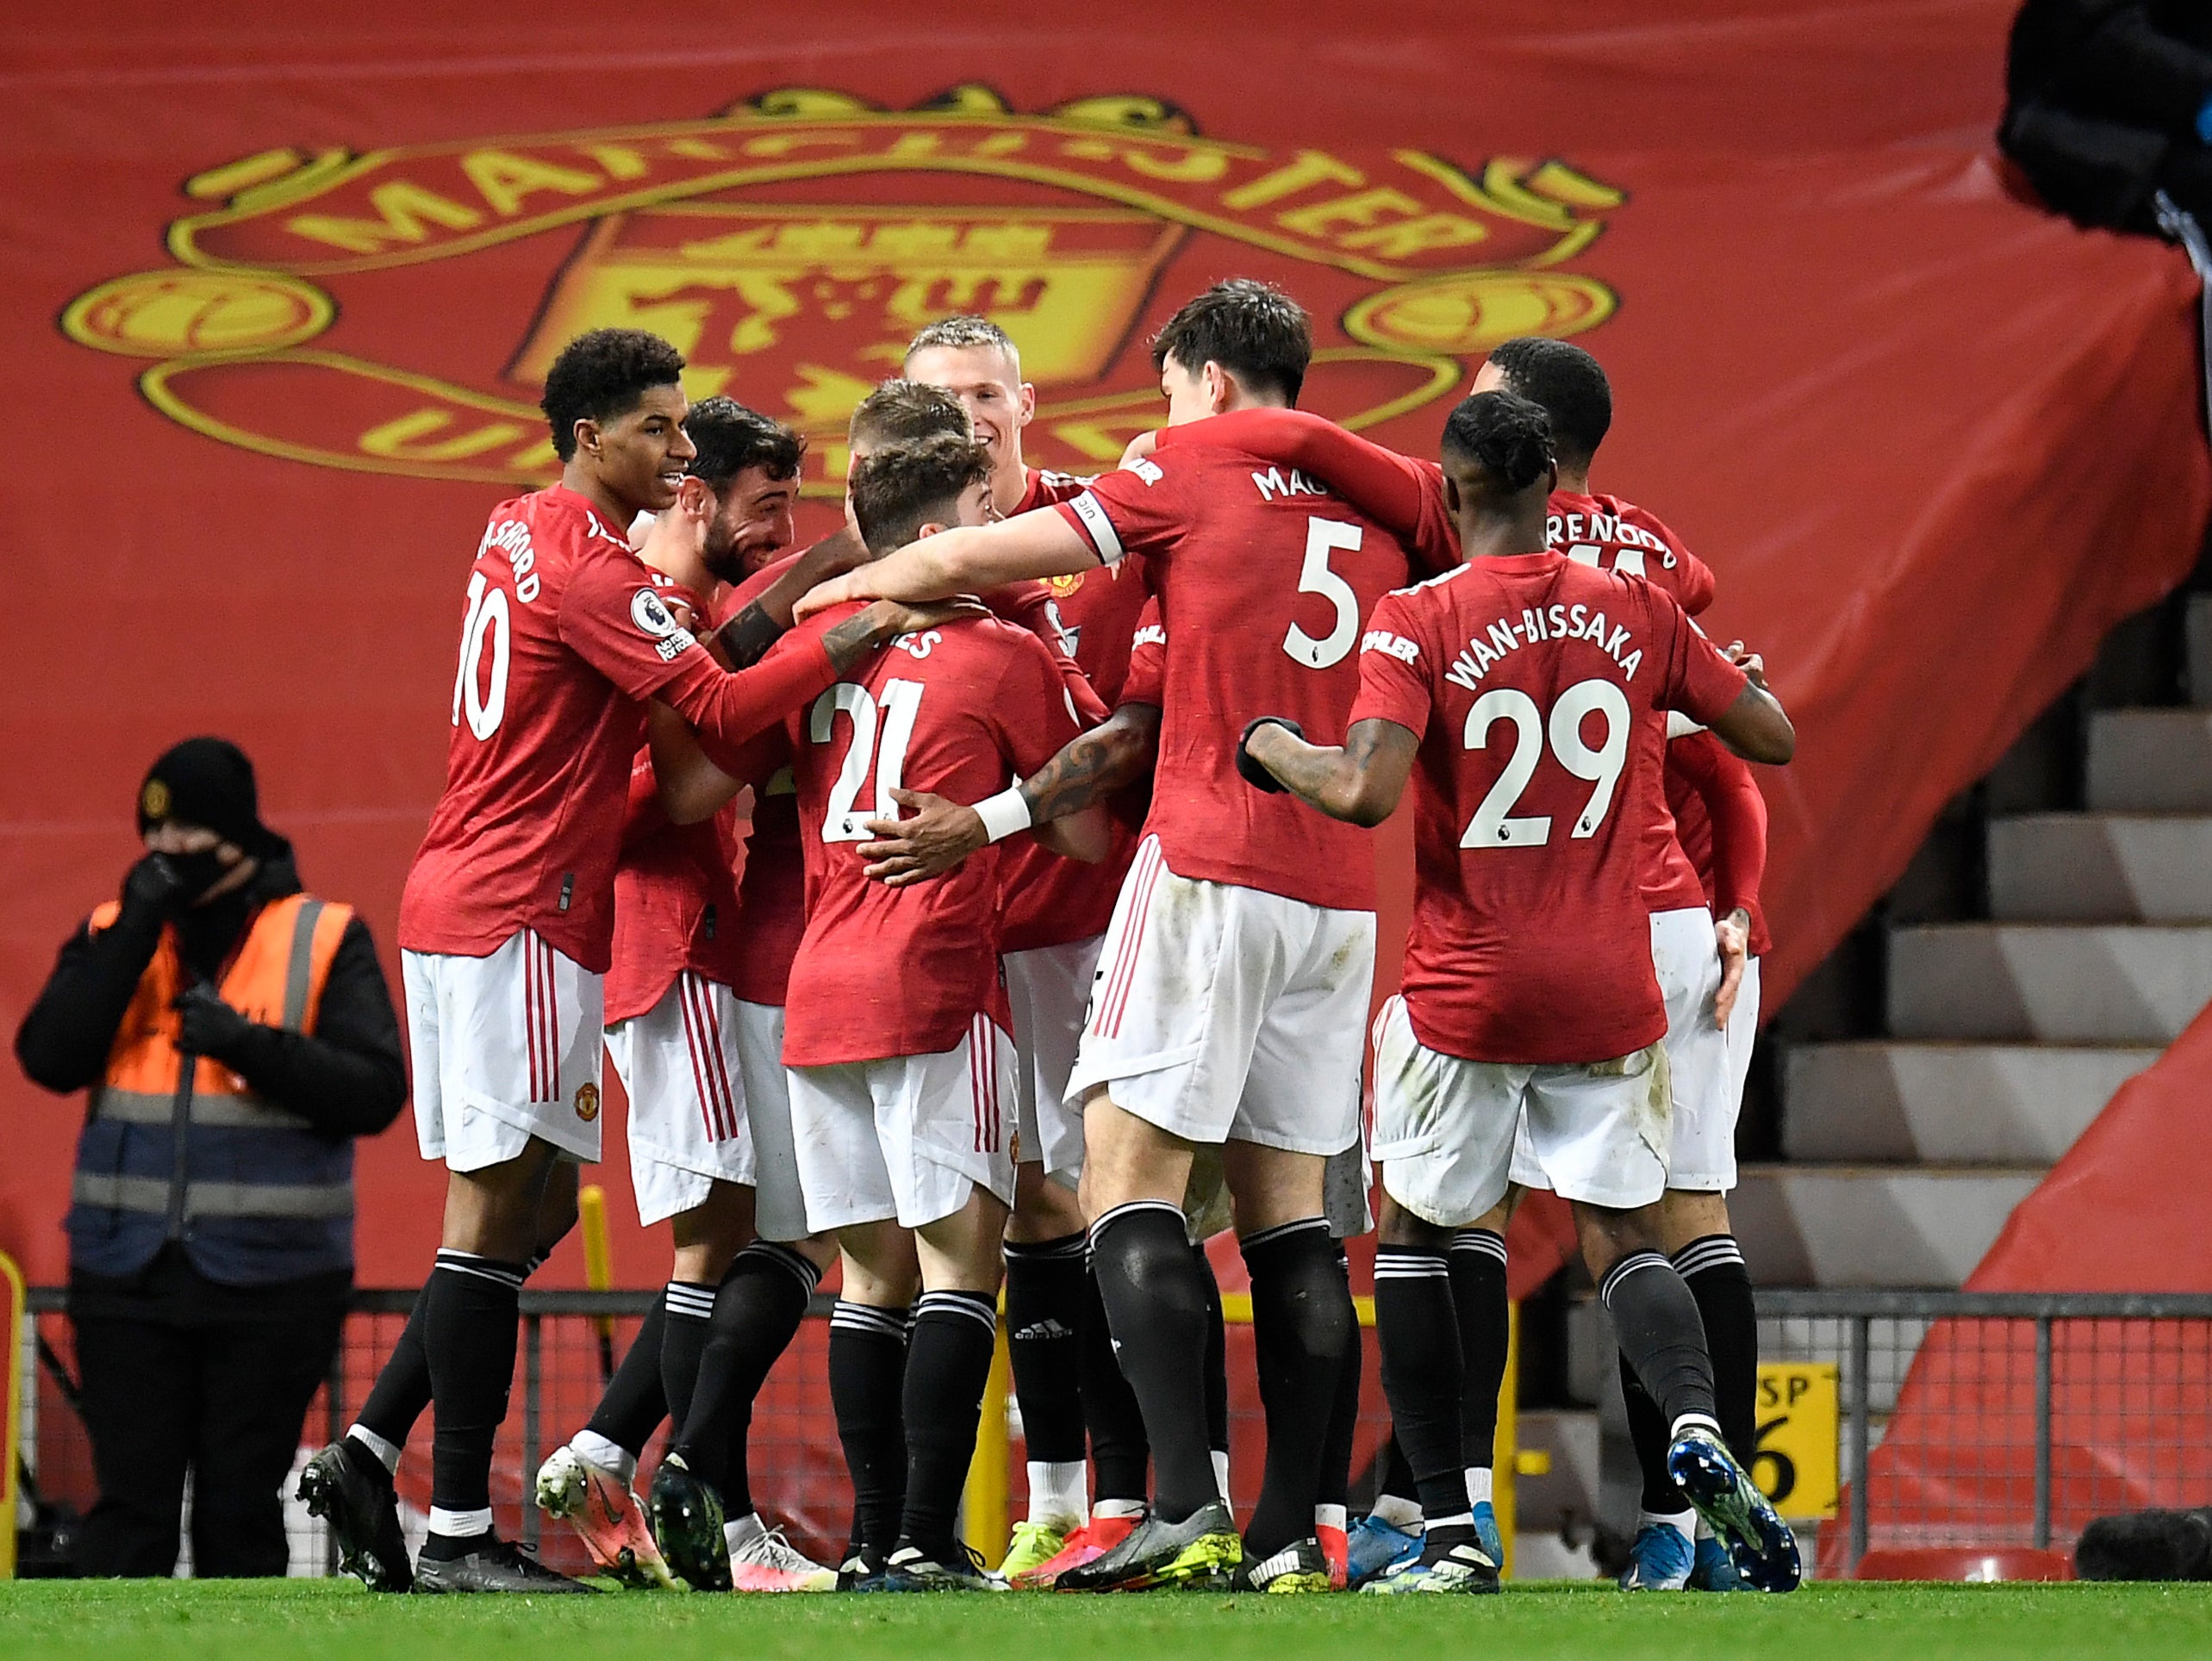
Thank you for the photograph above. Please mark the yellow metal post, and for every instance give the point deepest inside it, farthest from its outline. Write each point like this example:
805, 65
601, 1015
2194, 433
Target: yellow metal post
988, 1503
13, 1430
1505, 1451
598, 1266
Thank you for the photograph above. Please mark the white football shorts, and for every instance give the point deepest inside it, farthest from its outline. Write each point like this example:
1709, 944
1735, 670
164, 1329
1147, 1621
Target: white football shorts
779, 1203
909, 1138
1048, 989
678, 1064
1707, 1089
505, 1048
1444, 1126
1221, 1012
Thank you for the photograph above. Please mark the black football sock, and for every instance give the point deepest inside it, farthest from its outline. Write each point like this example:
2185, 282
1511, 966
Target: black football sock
1045, 1295
1713, 1267
1334, 1494
1647, 1434
1477, 1261
948, 1364
1155, 1295
397, 1399
1302, 1322
687, 1309
757, 1309
1120, 1451
1421, 1371
469, 1335
868, 1372
1217, 1365
1655, 1320
634, 1404
1394, 1475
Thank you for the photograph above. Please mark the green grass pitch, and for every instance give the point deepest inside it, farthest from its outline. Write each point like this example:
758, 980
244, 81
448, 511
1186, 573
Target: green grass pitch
288, 1621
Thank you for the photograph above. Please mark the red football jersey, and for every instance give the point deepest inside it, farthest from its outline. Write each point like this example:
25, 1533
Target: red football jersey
1050, 900
564, 641
1148, 660
1720, 818
1618, 536
771, 893
1528, 678
676, 892
962, 711
1265, 578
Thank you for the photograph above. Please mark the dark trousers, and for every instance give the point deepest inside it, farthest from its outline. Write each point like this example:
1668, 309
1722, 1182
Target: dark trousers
212, 1386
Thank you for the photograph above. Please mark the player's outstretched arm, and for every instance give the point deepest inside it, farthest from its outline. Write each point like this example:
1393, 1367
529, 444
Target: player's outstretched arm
1755, 727
940, 833
1359, 782
764, 619
966, 559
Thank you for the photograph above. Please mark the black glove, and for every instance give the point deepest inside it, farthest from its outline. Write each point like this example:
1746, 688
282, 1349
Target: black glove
155, 888
208, 1026
1254, 774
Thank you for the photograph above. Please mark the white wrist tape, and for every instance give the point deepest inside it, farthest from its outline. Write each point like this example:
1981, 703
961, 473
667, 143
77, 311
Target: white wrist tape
1004, 814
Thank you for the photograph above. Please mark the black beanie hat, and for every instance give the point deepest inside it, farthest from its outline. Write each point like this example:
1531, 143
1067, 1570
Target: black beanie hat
204, 782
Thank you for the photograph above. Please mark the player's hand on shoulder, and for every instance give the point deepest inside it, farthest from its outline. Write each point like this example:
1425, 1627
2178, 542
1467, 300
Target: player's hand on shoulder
1752, 665
1140, 446
1248, 765
932, 837
896, 617
832, 557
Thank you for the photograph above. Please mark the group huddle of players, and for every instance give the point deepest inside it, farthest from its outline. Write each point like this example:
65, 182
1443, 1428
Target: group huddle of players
1049, 955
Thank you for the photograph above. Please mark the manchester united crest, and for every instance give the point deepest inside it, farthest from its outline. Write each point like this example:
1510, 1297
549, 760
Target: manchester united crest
395, 310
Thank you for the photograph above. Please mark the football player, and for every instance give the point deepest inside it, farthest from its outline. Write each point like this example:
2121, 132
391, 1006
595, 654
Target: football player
1518, 684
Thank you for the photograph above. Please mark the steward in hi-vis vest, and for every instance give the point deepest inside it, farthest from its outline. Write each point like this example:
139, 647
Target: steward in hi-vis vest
235, 1034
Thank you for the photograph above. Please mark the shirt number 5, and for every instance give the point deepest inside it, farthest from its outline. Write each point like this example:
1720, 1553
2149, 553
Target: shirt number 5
1324, 538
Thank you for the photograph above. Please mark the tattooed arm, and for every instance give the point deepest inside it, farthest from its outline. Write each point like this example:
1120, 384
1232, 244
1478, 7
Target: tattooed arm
1091, 767
1359, 782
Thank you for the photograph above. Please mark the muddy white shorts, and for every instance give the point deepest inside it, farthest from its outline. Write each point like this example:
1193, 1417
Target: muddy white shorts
678, 1064
505, 1048
911, 1137
1221, 1012
1444, 1126
1049, 989
1705, 1090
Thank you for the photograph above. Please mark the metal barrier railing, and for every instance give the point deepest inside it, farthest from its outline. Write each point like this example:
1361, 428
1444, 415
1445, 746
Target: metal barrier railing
2025, 1414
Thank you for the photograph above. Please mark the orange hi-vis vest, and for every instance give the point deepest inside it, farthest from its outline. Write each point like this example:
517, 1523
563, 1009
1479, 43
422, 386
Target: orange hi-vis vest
187, 1153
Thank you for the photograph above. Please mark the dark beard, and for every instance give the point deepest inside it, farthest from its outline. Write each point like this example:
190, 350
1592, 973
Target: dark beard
724, 564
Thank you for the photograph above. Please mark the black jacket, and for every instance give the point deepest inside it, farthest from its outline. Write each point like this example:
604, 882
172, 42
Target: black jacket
346, 1078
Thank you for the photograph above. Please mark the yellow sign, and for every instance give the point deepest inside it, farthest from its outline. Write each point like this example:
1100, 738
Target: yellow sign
1799, 1416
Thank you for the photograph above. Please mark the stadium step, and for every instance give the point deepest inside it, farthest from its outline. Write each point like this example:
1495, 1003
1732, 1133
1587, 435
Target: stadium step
2048, 983
2150, 761
1948, 1104
1870, 1225
2101, 868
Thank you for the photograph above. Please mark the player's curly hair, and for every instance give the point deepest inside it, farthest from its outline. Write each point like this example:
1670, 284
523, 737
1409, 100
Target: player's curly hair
1252, 329
901, 412
1509, 437
602, 376
730, 438
902, 487
963, 331
1568, 382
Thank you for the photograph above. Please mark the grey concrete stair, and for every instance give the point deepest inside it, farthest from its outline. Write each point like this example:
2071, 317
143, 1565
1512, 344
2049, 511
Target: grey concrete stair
1948, 1103
2150, 761
2046, 983
2101, 868
1869, 1226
